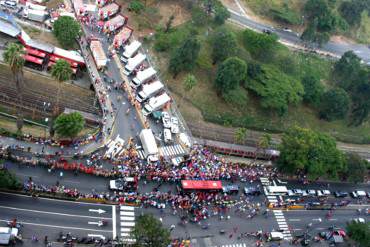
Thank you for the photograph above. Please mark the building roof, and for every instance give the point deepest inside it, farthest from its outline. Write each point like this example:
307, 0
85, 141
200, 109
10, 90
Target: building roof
69, 55
40, 45
9, 29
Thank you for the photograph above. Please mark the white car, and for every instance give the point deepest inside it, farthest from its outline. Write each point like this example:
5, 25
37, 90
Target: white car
174, 121
319, 193
166, 120
311, 192
326, 192
167, 136
175, 129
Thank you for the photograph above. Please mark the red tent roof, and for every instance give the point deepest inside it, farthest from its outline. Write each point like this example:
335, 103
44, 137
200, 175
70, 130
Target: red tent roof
33, 59
201, 185
36, 53
55, 58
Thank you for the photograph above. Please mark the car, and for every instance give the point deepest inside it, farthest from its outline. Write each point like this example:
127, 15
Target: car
311, 192
290, 193
353, 194
167, 136
175, 129
319, 193
297, 192
304, 193
123, 184
253, 191
360, 193
166, 120
358, 220
267, 31
326, 192
174, 121
340, 194
8, 4
287, 30
230, 189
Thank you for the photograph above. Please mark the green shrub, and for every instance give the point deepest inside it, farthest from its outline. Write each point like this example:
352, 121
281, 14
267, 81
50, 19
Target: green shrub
136, 6
237, 97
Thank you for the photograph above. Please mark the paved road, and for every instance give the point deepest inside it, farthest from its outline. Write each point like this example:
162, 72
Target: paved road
338, 49
47, 217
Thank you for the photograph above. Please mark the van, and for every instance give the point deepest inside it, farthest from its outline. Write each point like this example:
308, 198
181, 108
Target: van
167, 136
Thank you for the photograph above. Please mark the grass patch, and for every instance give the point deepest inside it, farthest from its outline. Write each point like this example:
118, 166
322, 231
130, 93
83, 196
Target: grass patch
250, 114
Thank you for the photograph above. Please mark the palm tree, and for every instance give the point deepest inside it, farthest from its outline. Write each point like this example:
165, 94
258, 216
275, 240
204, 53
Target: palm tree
189, 83
13, 56
61, 71
265, 142
240, 135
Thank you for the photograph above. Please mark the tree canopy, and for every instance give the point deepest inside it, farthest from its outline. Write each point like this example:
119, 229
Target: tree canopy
221, 14
276, 89
69, 125
312, 153
334, 104
260, 45
357, 168
8, 180
313, 89
66, 30
346, 69
149, 231
359, 232
185, 56
224, 44
61, 70
230, 74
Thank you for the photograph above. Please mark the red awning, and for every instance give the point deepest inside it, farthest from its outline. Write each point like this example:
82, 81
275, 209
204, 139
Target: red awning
36, 53
50, 64
33, 59
55, 58
201, 185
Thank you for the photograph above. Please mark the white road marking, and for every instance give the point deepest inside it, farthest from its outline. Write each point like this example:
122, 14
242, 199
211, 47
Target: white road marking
63, 227
127, 223
125, 234
128, 218
126, 229
54, 213
129, 208
114, 221
294, 219
333, 219
123, 213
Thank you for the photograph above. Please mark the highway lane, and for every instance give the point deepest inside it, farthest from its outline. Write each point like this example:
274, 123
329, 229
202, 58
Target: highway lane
43, 217
293, 38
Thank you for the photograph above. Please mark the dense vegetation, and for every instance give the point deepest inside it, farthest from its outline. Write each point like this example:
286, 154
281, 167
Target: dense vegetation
8, 180
320, 18
360, 233
69, 125
66, 30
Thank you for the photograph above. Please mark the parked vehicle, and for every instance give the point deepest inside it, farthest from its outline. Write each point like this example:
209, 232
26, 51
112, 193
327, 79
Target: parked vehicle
155, 103
9, 4
142, 77
174, 125
133, 63
230, 189
130, 50
123, 184
340, 194
166, 120
149, 90
253, 191
35, 14
167, 136
149, 145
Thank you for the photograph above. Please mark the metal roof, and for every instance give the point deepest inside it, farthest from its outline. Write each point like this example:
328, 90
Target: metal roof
9, 29
40, 45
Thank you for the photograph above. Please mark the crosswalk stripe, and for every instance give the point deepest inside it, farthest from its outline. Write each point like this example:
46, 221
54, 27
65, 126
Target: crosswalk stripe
126, 229
128, 218
129, 240
164, 150
125, 234
129, 208
125, 213
127, 223
273, 200
181, 148
173, 150
279, 216
278, 213
280, 220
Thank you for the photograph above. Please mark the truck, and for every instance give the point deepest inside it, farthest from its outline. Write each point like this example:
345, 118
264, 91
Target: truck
149, 145
130, 50
143, 76
35, 14
98, 53
155, 103
148, 90
133, 63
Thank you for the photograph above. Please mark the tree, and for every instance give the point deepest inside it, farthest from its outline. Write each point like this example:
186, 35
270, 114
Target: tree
221, 13
69, 125
313, 89
265, 141
334, 104
260, 45
359, 232
61, 71
13, 56
189, 83
230, 74
66, 30
346, 69
312, 153
224, 45
357, 168
240, 134
169, 23
136, 6
351, 11
8, 180
185, 56
198, 16
149, 231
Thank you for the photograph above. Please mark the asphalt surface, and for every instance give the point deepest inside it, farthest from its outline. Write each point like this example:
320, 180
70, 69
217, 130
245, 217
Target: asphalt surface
337, 49
48, 217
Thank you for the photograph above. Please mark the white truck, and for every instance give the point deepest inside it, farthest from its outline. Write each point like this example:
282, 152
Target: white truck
35, 14
149, 145
130, 50
143, 76
148, 90
155, 103
133, 63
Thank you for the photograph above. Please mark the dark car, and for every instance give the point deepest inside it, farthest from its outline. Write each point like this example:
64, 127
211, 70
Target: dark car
340, 194
230, 189
267, 31
253, 191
